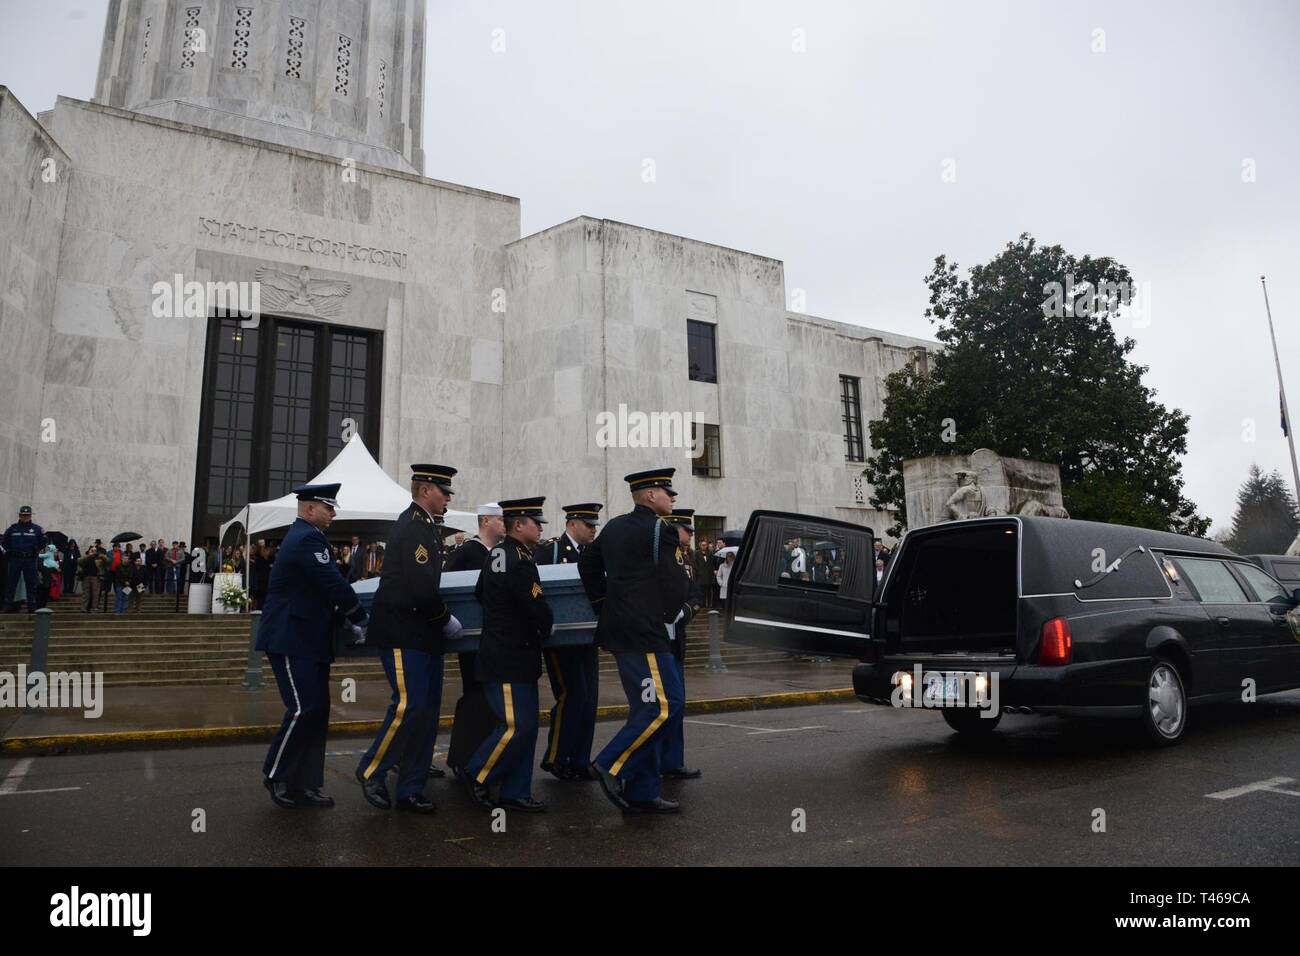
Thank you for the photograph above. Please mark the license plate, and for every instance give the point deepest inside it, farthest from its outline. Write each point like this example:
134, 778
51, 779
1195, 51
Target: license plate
964, 687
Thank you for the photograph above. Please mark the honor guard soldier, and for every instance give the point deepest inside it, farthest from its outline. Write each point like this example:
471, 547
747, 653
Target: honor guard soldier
673, 756
470, 557
409, 625
633, 564
297, 634
574, 671
22, 540
516, 619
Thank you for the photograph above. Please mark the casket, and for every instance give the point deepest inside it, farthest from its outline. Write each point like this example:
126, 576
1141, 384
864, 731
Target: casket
575, 622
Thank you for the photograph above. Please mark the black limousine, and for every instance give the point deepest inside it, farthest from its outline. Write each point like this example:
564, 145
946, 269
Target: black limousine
1021, 614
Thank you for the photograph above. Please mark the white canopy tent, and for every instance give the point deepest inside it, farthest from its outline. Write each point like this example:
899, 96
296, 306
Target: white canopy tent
366, 493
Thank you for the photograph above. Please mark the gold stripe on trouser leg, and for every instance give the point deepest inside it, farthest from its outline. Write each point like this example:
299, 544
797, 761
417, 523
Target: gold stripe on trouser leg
654, 724
559, 708
397, 717
505, 738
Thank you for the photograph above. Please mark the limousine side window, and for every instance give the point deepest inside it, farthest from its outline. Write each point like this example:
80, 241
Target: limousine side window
807, 561
1265, 587
1212, 580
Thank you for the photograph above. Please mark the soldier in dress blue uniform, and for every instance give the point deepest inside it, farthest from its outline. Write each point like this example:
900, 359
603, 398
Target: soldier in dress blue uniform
673, 757
633, 579
297, 634
22, 541
516, 619
574, 671
409, 625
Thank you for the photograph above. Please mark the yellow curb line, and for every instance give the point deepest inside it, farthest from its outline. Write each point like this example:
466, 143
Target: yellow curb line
136, 739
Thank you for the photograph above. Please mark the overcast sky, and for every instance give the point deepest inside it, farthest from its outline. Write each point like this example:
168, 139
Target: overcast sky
831, 159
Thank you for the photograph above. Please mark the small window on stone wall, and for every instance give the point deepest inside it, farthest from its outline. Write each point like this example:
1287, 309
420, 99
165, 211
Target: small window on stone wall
859, 491
293, 60
707, 439
381, 86
243, 29
192, 37
343, 66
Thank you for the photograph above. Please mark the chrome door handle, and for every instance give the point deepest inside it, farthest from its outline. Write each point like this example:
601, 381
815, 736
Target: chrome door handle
1222, 621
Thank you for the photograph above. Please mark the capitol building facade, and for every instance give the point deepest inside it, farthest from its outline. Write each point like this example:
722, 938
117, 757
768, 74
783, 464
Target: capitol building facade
276, 145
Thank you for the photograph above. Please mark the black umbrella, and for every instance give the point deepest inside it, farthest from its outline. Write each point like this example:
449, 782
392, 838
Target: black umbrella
58, 539
126, 536
733, 537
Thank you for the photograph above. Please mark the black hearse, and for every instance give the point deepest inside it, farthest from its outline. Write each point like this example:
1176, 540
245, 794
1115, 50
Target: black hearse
1050, 615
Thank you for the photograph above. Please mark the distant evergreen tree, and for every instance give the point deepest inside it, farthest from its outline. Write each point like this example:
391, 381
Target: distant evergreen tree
1266, 521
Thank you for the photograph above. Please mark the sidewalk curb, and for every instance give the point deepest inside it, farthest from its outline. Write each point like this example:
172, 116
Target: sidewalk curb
206, 736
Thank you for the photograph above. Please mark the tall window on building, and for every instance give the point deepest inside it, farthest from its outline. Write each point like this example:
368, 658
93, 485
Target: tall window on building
851, 405
702, 350
709, 463
279, 401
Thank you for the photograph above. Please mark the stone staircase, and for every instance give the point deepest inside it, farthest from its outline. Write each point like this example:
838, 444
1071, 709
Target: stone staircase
157, 647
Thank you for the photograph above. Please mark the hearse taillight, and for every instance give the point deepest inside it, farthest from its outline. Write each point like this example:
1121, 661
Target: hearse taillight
1056, 644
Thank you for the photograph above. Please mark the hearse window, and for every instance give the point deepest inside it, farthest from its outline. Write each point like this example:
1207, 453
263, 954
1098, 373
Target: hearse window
1264, 586
1212, 580
781, 552
810, 561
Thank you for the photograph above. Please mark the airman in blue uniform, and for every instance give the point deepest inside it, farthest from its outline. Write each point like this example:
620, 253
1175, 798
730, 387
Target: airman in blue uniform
22, 540
574, 671
633, 577
297, 634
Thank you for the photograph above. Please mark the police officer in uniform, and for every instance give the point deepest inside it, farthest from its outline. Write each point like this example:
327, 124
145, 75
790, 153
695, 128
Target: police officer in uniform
409, 624
22, 541
632, 576
297, 634
574, 671
516, 619
673, 757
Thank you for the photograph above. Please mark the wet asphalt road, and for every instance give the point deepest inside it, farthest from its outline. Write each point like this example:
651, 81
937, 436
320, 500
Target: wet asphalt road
875, 786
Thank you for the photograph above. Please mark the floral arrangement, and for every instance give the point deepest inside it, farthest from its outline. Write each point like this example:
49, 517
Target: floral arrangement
228, 568
233, 596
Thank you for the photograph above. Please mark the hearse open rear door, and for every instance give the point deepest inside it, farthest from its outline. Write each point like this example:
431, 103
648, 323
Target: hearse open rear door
802, 584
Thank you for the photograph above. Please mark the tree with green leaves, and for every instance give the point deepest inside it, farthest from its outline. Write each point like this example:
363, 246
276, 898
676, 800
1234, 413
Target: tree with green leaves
1266, 521
1032, 368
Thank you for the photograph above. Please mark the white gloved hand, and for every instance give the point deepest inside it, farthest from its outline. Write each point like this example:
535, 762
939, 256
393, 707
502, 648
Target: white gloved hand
680, 614
359, 631
452, 629
672, 632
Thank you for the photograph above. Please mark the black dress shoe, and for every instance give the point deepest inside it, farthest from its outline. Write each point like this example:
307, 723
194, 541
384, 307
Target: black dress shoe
612, 786
527, 805
575, 774
682, 773
480, 795
375, 791
314, 798
657, 805
549, 767
281, 795
416, 804
436, 773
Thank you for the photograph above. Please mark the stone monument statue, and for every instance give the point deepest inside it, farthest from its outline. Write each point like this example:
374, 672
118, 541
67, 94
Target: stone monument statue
960, 487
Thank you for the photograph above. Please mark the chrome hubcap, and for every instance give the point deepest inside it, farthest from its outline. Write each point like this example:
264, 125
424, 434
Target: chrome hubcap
1165, 700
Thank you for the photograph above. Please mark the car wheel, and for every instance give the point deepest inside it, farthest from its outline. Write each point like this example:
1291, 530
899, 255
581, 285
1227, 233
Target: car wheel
1164, 713
971, 721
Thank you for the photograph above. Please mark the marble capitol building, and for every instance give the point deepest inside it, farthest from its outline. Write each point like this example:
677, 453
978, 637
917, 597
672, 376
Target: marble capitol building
280, 142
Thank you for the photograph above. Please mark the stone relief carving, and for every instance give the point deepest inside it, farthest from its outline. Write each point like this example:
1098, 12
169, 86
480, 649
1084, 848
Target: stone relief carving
287, 292
960, 487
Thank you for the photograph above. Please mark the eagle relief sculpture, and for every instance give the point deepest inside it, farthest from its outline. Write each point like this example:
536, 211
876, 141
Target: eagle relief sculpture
285, 292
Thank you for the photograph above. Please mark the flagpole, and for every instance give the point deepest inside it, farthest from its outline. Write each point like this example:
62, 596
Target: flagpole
1281, 389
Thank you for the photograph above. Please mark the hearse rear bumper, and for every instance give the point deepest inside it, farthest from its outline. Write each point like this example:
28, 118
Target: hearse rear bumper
1095, 689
